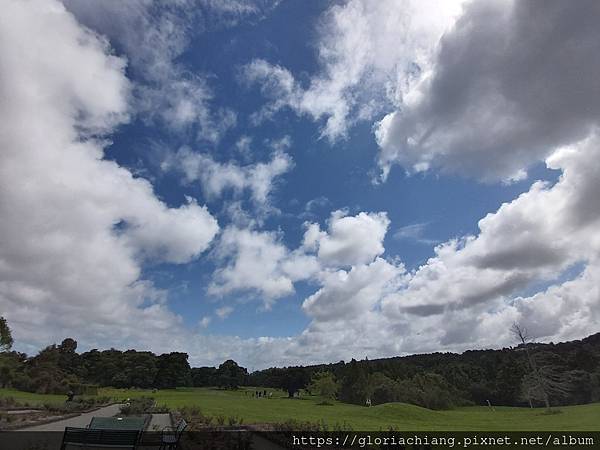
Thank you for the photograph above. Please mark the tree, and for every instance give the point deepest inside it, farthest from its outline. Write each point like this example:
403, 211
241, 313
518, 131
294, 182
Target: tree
204, 376
386, 390
6, 339
536, 375
173, 371
140, 368
293, 379
6, 375
230, 376
68, 345
324, 384
434, 392
355, 387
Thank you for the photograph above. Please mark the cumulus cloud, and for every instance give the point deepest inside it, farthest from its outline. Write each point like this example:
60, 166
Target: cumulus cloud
76, 228
367, 53
347, 295
257, 261
349, 240
216, 177
537, 236
511, 82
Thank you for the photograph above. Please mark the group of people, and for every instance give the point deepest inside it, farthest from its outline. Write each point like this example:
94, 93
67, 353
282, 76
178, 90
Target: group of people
261, 394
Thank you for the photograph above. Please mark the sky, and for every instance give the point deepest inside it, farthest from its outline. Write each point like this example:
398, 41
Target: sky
290, 182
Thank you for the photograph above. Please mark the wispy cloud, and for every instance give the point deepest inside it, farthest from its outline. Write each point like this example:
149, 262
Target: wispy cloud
223, 312
415, 232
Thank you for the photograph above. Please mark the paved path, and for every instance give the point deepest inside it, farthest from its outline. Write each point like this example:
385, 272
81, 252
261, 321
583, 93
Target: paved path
159, 421
81, 421
23, 411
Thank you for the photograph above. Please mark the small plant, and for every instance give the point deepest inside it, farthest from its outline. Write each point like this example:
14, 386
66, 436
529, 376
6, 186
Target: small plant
50, 407
138, 406
221, 420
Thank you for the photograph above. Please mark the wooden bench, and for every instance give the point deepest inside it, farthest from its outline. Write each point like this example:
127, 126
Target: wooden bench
87, 437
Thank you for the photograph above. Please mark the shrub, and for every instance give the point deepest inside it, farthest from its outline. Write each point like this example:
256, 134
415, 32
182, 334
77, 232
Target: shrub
138, 406
7, 402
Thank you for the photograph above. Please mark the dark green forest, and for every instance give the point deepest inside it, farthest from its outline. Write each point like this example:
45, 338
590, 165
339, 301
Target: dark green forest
568, 373
530, 374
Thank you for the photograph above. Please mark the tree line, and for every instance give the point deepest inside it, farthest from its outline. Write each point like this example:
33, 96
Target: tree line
529, 374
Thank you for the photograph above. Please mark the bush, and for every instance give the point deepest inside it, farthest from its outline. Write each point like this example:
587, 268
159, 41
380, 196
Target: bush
138, 406
8, 402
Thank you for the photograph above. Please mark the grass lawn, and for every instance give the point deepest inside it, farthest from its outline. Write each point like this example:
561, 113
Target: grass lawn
32, 399
401, 416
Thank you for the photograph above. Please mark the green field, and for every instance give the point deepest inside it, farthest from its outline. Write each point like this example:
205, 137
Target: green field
214, 402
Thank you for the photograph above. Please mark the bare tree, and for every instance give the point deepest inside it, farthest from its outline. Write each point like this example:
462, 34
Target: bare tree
521, 334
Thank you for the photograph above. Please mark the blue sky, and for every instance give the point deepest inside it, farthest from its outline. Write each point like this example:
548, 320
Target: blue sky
295, 182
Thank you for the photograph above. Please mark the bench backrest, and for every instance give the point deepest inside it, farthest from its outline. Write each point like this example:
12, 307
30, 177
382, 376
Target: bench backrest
181, 426
104, 438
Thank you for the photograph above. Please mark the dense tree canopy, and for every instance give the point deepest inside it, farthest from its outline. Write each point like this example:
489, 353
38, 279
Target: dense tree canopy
230, 376
443, 380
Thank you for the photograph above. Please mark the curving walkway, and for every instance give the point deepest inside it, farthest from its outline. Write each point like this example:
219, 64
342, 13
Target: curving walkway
80, 421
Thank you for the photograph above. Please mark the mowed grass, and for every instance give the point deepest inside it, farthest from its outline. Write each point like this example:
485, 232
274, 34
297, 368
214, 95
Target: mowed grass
31, 398
401, 416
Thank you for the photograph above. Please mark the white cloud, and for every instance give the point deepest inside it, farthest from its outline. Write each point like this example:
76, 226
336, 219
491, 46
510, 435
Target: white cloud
502, 93
216, 177
205, 321
535, 237
347, 295
257, 261
243, 146
75, 227
313, 206
367, 51
349, 240
153, 34
414, 232
223, 312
